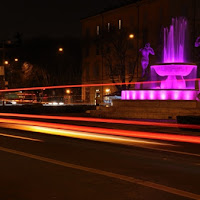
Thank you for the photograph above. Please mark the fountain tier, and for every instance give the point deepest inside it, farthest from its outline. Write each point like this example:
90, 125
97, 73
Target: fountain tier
173, 70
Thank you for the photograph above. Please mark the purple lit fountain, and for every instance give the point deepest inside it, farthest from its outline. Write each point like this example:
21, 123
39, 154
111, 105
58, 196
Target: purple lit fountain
175, 66
169, 78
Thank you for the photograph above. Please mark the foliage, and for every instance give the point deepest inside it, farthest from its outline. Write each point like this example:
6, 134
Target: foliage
40, 63
27, 75
34, 76
118, 53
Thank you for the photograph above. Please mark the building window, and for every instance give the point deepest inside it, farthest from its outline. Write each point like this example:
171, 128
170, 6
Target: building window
108, 27
98, 30
120, 23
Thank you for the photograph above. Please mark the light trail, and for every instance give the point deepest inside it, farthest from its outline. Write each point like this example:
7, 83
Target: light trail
85, 135
86, 85
125, 133
20, 137
100, 138
112, 121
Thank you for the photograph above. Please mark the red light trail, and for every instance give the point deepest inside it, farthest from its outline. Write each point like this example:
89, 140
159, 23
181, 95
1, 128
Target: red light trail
86, 85
126, 133
101, 120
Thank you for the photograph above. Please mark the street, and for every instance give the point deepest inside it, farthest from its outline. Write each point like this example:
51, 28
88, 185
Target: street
38, 164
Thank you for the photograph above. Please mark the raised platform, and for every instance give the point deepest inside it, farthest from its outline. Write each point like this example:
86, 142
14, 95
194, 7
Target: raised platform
149, 109
159, 95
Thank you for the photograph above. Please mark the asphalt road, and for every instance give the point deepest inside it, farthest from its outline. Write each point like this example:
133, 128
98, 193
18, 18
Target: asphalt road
38, 166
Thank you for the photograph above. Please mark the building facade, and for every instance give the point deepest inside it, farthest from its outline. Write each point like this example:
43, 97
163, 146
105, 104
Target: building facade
135, 25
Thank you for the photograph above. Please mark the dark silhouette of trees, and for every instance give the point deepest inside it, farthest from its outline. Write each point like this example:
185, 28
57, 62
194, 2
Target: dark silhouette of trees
119, 55
63, 67
26, 75
41, 64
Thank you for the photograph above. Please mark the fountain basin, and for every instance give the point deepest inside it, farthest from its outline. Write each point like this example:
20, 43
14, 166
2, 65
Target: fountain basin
159, 95
173, 69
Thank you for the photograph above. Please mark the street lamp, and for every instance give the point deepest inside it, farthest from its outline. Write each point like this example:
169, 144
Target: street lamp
16, 59
107, 91
6, 62
68, 91
131, 36
60, 49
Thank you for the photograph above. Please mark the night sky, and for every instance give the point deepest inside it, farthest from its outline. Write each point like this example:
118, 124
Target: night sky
53, 18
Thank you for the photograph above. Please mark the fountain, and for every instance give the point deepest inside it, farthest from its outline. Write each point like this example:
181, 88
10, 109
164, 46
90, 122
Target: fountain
173, 79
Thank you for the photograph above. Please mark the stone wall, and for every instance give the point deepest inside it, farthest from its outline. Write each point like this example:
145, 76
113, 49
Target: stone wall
148, 109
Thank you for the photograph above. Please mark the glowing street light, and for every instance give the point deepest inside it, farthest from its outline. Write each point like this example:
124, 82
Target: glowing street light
60, 49
107, 90
16, 59
131, 36
6, 62
68, 91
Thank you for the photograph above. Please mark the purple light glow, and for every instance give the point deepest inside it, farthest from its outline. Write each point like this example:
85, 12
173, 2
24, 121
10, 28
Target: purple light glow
159, 95
174, 41
172, 70
168, 78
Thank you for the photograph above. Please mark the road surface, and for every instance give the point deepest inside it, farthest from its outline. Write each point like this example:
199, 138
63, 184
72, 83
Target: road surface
43, 163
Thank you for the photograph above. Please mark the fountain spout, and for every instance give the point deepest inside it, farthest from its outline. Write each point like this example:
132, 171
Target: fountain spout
174, 41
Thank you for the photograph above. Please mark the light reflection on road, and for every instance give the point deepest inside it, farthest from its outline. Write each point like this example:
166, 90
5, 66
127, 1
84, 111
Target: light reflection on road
84, 135
107, 131
103, 120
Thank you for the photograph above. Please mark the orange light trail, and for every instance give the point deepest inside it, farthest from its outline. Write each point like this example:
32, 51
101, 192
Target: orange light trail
112, 121
86, 85
126, 133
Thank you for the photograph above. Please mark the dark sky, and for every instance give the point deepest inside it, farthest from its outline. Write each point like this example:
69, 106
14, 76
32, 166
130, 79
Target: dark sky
54, 18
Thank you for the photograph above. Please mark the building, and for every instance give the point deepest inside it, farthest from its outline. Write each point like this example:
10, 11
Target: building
137, 23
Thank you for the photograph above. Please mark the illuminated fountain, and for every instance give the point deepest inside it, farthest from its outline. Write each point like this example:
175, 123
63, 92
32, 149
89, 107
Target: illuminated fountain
174, 78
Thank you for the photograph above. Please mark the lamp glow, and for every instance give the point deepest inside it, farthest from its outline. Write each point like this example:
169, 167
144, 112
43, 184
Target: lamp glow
131, 36
60, 49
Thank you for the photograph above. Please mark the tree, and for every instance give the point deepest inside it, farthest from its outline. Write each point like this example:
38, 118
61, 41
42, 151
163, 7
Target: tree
26, 75
34, 76
64, 67
120, 58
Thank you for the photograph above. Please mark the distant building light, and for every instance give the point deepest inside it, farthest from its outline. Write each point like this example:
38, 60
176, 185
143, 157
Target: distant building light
16, 59
68, 91
14, 102
108, 27
107, 90
131, 36
60, 49
6, 62
120, 24
98, 30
